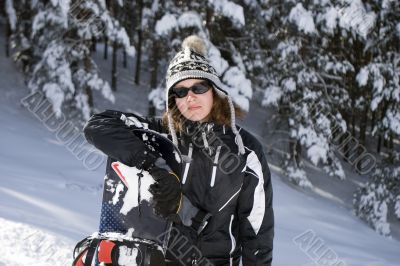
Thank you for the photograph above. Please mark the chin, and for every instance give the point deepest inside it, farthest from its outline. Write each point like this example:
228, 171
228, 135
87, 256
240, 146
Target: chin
196, 118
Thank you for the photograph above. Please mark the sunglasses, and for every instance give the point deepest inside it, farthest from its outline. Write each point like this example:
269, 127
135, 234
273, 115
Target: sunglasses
198, 88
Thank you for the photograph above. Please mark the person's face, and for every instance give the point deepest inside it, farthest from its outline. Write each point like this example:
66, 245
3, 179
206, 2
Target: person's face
195, 107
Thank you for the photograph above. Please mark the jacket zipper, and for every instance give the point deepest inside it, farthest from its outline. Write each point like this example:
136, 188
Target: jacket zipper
233, 241
214, 169
187, 165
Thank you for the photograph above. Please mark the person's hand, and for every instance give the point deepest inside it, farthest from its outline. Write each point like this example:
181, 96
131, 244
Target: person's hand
167, 192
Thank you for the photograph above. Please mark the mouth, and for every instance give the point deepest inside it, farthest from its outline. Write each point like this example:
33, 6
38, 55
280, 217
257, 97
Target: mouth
192, 108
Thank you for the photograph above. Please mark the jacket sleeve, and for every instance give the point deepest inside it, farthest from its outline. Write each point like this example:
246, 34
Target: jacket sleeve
256, 216
111, 133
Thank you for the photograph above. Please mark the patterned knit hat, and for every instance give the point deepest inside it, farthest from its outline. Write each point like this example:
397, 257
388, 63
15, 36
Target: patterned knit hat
191, 63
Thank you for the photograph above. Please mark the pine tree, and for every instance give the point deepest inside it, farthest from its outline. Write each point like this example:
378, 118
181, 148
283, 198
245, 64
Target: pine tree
19, 18
304, 84
63, 36
380, 196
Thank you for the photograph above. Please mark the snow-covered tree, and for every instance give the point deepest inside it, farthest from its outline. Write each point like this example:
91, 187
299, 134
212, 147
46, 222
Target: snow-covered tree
304, 84
379, 77
19, 18
63, 33
379, 197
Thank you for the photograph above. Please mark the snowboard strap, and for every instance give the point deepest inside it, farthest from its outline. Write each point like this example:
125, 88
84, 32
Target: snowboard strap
90, 252
108, 252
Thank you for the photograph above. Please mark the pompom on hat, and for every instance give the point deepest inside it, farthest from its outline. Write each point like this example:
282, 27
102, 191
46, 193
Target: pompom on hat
191, 63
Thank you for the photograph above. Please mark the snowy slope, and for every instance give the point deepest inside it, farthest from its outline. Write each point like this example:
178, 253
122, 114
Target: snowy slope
49, 200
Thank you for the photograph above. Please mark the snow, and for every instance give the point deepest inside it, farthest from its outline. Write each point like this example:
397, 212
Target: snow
157, 97
355, 17
166, 24
239, 87
96, 83
55, 95
12, 17
235, 77
331, 19
302, 18
64, 6
398, 29
392, 119
38, 247
289, 84
190, 19
287, 48
298, 176
219, 63
317, 153
272, 95
230, 10
397, 206
317, 145
362, 76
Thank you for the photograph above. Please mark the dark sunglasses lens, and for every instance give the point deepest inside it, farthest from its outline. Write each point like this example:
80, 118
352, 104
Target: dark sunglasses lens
196, 89
180, 92
200, 88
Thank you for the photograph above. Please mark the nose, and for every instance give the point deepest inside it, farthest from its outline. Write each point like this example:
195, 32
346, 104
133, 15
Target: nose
190, 96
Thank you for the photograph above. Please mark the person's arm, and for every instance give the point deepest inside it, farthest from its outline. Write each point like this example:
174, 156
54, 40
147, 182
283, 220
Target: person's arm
111, 133
256, 216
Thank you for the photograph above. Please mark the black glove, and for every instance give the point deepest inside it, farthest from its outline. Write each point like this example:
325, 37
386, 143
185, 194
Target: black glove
167, 192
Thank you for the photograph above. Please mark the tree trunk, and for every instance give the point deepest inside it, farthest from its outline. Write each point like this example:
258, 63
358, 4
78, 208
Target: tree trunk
88, 90
391, 151
153, 75
125, 59
8, 35
154, 66
344, 135
139, 45
151, 110
114, 72
89, 94
373, 121
94, 43
363, 125
379, 145
295, 151
384, 109
353, 122
105, 54
209, 13
298, 152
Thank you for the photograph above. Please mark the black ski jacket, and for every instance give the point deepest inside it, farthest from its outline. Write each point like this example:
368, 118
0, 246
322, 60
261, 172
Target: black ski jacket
231, 193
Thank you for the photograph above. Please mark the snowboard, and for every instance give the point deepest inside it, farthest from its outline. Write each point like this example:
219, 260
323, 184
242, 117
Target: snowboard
126, 214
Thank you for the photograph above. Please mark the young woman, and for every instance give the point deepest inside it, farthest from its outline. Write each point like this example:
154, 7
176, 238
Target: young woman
221, 203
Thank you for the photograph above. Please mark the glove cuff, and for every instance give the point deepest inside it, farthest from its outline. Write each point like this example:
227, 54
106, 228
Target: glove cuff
181, 197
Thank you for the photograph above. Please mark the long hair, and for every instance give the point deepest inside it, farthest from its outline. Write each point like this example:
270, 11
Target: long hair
219, 114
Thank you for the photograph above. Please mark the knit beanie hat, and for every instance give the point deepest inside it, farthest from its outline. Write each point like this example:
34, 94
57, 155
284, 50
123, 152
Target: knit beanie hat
191, 63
